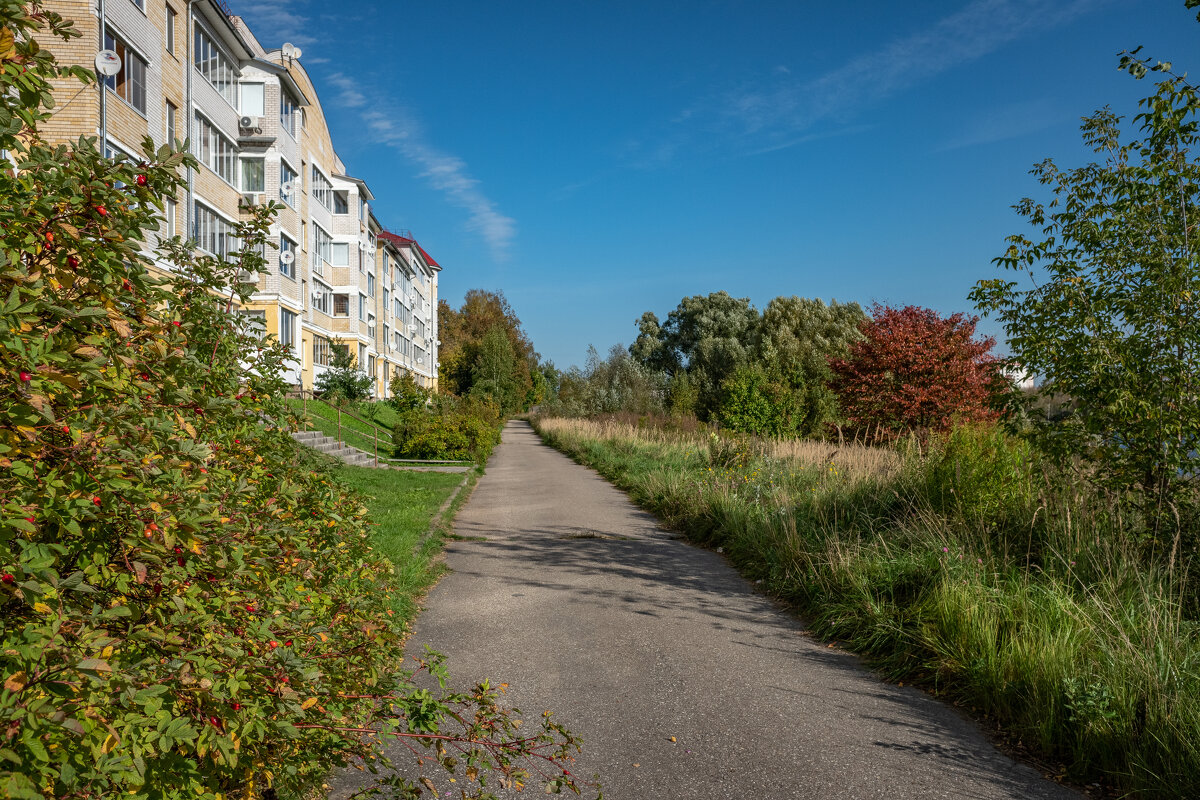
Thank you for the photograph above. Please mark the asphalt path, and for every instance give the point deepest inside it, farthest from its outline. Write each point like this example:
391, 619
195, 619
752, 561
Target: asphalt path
584, 605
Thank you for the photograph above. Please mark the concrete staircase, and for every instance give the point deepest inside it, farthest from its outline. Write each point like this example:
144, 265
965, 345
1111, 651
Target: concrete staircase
329, 446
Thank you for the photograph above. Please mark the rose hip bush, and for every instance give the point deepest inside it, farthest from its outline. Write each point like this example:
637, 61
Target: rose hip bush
186, 608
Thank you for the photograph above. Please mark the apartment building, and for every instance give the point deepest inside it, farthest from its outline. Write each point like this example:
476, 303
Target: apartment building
191, 69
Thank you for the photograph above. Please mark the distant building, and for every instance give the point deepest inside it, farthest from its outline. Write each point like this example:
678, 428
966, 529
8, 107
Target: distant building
194, 70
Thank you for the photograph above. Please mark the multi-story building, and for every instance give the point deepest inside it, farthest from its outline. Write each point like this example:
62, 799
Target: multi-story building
192, 70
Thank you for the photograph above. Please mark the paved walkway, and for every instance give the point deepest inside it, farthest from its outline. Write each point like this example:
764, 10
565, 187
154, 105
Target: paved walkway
580, 602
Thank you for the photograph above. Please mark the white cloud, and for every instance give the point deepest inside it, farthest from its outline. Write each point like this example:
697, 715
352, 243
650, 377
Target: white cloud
280, 18
782, 109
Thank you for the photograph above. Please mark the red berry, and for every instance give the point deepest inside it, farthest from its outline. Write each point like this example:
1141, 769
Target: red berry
72, 262
66, 429
49, 237
216, 722
179, 561
30, 519
141, 180
127, 286
236, 706
202, 469
289, 642
26, 377
176, 323
7, 578
145, 377
178, 550
96, 500
250, 609
102, 211
274, 644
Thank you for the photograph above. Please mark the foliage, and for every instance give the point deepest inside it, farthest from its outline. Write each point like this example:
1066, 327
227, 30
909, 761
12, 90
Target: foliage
798, 337
406, 394
751, 402
453, 430
682, 395
710, 336
494, 374
1112, 317
467, 355
345, 378
188, 608
607, 386
963, 567
915, 370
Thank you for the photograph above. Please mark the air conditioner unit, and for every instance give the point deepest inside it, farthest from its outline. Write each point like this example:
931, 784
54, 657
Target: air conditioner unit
250, 123
252, 198
246, 276
412, 328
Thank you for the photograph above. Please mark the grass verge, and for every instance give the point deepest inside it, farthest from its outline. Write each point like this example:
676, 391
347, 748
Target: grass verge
960, 566
402, 505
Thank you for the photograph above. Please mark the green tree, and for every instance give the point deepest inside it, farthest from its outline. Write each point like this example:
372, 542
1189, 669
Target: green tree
494, 372
1109, 311
345, 378
798, 338
708, 335
406, 395
463, 332
752, 401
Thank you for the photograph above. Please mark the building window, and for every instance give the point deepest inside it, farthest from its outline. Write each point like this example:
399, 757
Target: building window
172, 115
387, 336
362, 308
213, 233
252, 99
130, 83
322, 244
341, 305
340, 254
362, 356
322, 189
254, 175
215, 66
169, 212
287, 328
371, 366
287, 267
322, 297
288, 112
371, 325
287, 183
370, 284
362, 209
171, 15
214, 150
341, 203
322, 352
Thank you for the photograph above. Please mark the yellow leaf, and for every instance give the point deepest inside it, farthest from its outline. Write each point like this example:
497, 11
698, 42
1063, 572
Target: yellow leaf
16, 682
309, 703
156, 508
42, 608
107, 652
8, 46
323, 637
194, 546
111, 742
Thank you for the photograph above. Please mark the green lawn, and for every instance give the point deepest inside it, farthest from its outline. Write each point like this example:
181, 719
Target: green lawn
323, 418
402, 506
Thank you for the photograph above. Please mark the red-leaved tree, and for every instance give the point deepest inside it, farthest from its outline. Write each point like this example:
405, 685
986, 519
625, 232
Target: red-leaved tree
915, 371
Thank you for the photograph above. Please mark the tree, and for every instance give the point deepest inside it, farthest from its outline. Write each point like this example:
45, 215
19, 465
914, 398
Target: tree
406, 395
345, 378
1109, 313
915, 370
494, 372
462, 334
754, 402
798, 337
710, 336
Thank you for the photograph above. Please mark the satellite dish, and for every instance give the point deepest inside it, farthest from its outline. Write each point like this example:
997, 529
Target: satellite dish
288, 50
287, 257
297, 52
286, 188
108, 63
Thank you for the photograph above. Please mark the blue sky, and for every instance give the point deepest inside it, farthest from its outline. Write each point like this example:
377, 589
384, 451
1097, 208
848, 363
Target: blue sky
595, 160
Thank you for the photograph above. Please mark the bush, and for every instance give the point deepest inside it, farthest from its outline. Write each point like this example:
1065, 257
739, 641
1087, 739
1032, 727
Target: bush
345, 379
455, 430
187, 608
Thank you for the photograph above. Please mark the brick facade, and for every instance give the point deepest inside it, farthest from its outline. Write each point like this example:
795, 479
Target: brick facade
346, 275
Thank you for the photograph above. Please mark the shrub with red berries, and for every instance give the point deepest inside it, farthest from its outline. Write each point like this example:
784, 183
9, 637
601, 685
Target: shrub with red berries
148, 565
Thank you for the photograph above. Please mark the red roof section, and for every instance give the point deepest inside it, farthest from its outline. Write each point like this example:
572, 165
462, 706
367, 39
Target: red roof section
401, 241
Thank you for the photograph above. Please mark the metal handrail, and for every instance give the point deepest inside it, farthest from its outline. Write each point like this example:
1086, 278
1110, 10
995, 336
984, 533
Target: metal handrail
306, 395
